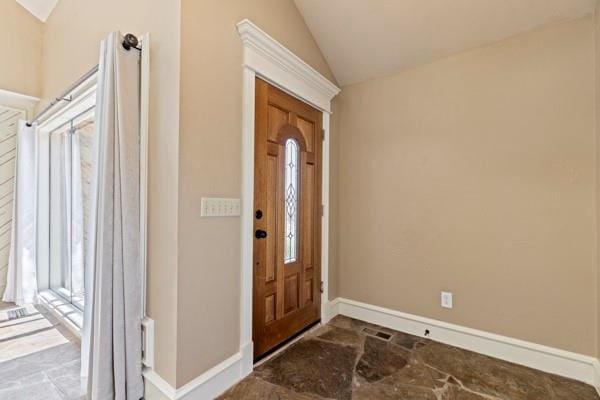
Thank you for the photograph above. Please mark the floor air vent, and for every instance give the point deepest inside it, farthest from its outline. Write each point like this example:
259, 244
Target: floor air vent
377, 334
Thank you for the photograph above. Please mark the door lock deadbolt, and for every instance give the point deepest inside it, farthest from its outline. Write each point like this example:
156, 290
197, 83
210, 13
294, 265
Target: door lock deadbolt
260, 234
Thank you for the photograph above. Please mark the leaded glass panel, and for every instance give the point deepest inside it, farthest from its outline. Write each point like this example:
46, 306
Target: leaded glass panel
292, 155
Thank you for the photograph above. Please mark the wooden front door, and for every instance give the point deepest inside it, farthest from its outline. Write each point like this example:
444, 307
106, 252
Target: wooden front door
287, 219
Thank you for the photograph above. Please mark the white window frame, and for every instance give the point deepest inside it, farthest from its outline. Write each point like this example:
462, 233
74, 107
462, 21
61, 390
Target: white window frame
81, 98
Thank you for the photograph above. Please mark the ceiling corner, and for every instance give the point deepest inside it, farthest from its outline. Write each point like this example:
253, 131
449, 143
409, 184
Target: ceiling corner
41, 9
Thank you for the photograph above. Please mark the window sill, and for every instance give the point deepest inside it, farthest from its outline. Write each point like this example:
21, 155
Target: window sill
67, 313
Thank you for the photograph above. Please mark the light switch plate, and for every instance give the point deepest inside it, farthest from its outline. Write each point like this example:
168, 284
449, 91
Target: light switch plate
219, 207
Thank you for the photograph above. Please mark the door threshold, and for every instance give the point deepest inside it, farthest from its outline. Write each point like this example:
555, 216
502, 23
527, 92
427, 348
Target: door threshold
286, 344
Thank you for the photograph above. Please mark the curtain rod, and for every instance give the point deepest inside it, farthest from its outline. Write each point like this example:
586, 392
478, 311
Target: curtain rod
129, 41
63, 95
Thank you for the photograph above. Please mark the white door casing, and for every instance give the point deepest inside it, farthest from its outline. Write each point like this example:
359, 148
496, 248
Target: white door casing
269, 60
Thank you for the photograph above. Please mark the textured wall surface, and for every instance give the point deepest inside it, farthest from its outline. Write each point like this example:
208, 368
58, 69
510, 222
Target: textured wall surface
476, 174
20, 50
209, 166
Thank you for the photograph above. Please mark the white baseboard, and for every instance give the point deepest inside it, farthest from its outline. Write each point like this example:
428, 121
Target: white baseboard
326, 311
209, 385
560, 362
247, 361
224, 375
597, 375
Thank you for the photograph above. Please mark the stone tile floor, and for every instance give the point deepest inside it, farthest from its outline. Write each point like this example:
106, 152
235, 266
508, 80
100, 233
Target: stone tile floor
40, 357
341, 361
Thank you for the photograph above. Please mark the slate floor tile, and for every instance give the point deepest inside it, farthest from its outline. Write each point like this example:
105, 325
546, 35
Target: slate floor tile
345, 360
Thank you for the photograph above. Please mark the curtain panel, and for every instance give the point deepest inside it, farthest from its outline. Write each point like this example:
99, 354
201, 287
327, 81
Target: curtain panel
111, 338
21, 284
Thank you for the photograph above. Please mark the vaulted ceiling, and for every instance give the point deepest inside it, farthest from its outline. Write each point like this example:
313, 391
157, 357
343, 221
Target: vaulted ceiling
366, 39
40, 8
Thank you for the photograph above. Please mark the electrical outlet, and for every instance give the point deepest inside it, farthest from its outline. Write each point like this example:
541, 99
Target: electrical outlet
446, 299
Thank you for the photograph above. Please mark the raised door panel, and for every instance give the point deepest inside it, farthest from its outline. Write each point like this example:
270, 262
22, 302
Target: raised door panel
308, 130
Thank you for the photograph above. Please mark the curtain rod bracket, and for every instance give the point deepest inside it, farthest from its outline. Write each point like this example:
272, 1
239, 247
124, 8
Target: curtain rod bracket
129, 41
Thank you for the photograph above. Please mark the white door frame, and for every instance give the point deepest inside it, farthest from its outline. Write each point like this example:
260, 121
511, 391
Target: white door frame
268, 59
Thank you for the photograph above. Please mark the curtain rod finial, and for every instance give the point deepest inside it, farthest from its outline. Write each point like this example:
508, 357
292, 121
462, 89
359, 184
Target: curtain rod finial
130, 41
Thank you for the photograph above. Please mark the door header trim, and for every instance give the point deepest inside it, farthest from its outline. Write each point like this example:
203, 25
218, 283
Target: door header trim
270, 59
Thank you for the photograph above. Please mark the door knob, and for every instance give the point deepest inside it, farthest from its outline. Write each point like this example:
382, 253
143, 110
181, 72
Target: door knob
260, 234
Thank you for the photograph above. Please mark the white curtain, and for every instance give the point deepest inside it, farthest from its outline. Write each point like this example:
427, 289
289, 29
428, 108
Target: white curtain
21, 285
111, 347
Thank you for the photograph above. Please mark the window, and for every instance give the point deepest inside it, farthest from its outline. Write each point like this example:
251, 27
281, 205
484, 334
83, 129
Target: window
292, 152
70, 173
65, 201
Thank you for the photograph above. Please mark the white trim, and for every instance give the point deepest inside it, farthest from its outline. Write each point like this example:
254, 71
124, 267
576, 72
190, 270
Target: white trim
144, 118
83, 97
82, 101
162, 389
597, 375
247, 205
148, 342
560, 362
209, 385
266, 58
325, 221
18, 101
270, 59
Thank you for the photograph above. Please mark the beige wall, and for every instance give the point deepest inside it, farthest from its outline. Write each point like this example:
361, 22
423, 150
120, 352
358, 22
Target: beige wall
476, 174
210, 153
20, 49
71, 44
597, 76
